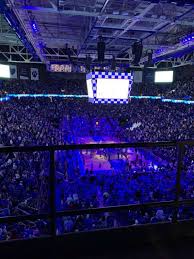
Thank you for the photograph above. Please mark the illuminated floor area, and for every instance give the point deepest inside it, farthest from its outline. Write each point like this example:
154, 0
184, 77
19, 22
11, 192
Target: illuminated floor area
91, 140
113, 161
106, 161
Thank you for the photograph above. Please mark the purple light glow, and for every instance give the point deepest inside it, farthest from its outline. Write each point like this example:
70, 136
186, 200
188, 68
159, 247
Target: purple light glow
30, 7
187, 39
34, 27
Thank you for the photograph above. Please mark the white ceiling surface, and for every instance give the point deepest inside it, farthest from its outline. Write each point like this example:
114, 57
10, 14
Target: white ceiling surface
120, 22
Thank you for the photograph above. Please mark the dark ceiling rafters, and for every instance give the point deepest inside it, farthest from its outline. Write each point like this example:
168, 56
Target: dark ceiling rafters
119, 22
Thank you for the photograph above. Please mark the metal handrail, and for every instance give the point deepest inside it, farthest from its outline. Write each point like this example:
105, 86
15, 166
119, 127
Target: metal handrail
53, 214
8, 149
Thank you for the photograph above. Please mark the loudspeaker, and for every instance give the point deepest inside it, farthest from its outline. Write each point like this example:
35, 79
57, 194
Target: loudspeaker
150, 54
101, 50
113, 63
137, 50
149, 62
88, 63
138, 76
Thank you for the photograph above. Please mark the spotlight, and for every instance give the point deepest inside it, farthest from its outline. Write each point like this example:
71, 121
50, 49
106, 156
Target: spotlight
34, 26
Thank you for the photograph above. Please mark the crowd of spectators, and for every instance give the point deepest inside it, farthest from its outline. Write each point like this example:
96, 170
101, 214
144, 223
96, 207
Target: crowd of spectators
51, 121
181, 89
45, 86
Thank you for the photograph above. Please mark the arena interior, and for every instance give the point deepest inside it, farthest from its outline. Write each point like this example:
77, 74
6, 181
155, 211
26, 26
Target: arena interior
97, 128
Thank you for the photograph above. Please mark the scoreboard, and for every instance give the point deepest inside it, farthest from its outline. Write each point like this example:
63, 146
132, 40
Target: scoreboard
109, 87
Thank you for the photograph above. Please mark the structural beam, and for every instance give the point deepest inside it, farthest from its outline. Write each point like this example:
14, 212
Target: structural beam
132, 23
13, 53
93, 13
119, 28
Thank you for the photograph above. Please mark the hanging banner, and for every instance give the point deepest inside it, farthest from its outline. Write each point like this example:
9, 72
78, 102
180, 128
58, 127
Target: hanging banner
13, 72
34, 74
24, 73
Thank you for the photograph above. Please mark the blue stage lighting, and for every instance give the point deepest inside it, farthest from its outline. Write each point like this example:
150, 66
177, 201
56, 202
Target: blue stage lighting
188, 38
86, 96
34, 26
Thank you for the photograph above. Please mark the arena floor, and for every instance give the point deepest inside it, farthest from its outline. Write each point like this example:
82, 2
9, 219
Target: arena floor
112, 160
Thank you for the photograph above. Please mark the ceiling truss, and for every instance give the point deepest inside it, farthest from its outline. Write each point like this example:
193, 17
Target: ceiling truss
11, 53
80, 23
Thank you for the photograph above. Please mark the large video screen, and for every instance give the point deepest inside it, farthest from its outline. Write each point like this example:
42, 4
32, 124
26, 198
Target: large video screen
112, 88
137, 76
163, 76
89, 88
4, 71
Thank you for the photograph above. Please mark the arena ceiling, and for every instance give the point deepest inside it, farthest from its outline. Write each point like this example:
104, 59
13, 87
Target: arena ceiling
7, 35
160, 25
